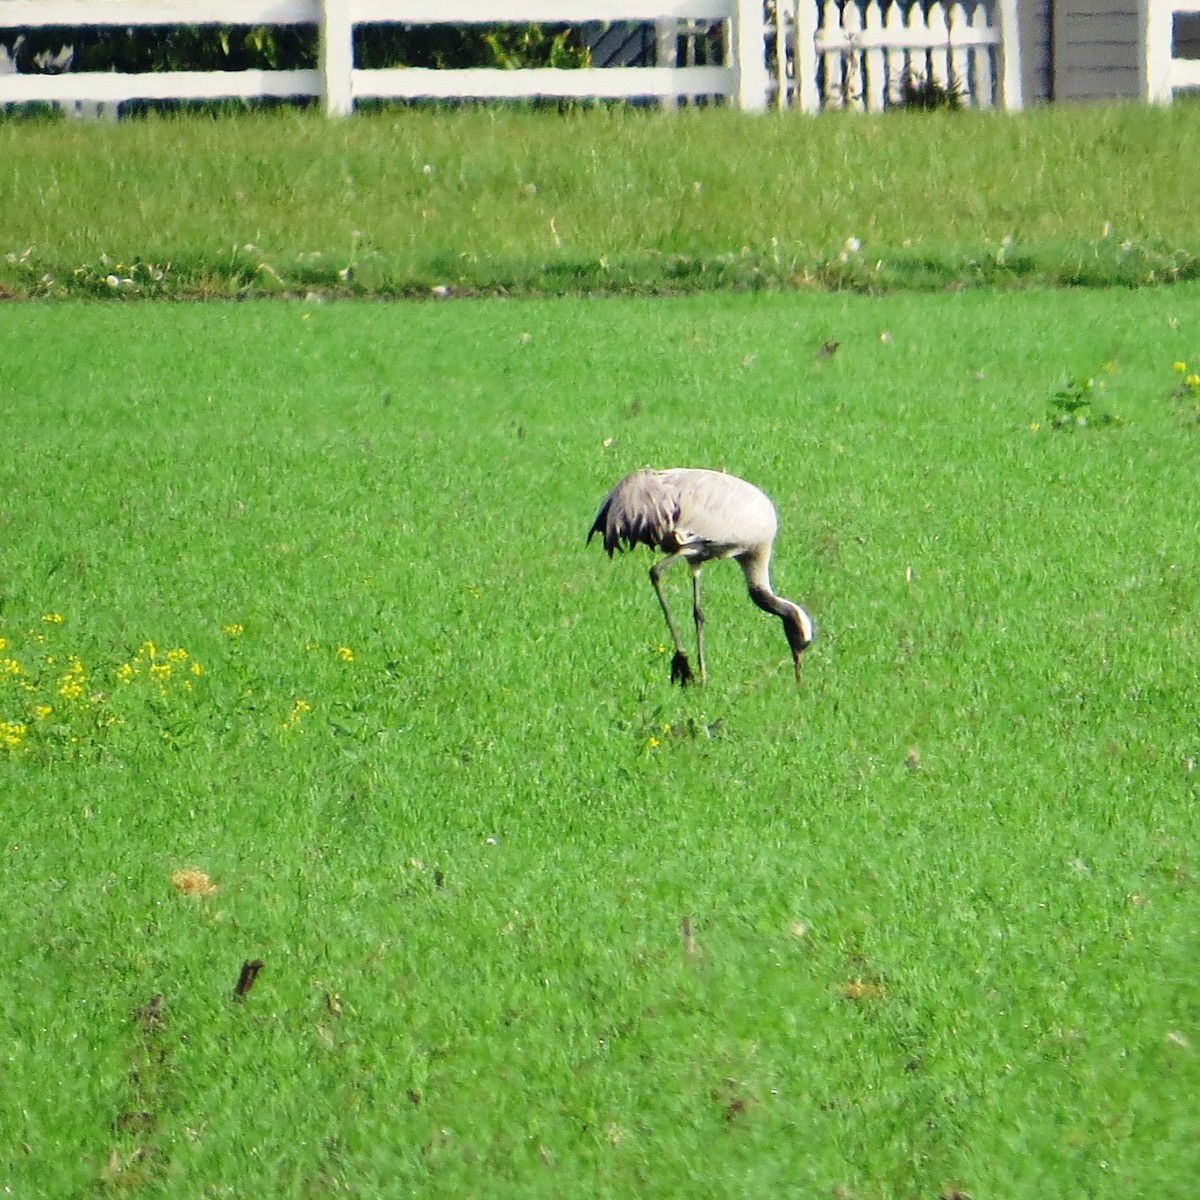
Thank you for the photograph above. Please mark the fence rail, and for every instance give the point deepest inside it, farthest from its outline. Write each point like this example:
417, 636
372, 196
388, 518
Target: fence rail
1162, 73
853, 53
339, 83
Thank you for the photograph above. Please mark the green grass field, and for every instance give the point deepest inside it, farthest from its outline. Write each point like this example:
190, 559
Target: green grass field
486, 200
296, 596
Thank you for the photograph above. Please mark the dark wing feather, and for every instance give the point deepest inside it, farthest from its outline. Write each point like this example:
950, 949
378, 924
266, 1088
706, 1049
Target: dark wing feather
642, 508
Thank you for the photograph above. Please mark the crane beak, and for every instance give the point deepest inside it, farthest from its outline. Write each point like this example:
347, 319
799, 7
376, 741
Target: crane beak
799, 634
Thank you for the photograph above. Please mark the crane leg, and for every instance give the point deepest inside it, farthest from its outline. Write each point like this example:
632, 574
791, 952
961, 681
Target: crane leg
681, 669
698, 617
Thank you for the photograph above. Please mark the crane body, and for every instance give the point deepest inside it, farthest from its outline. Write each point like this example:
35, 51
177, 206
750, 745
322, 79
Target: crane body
699, 515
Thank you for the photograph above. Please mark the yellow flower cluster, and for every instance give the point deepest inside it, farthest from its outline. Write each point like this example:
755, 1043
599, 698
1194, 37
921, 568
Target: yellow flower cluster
54, 700
12, 734
299, 708
71, 685
160, 670
1191, 380
48, 696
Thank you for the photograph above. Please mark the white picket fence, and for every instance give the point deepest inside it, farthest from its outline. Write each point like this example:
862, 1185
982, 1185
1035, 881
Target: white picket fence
1162, 73
861, 54
852, 53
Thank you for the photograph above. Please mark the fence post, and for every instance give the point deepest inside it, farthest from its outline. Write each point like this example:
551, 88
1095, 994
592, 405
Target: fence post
666, 45
804, 56
750, 56
337, 57
1010, 56
1155, 61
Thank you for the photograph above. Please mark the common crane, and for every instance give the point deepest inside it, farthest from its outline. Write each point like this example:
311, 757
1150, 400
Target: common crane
698, 515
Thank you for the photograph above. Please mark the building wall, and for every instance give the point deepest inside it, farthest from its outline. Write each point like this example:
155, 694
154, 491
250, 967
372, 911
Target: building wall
1034, 17
1094, 49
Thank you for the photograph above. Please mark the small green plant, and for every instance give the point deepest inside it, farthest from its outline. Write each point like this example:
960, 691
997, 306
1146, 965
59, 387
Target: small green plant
1074, 406
920, 93
1186, 393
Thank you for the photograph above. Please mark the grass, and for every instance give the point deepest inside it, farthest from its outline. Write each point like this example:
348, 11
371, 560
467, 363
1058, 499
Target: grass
940, 905
495, 201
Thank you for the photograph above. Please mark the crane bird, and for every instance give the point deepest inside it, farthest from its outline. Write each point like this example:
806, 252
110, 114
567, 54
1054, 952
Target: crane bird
697, 516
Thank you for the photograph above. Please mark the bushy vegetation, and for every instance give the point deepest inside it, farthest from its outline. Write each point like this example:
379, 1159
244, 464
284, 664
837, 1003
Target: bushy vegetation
284, 47
306, 665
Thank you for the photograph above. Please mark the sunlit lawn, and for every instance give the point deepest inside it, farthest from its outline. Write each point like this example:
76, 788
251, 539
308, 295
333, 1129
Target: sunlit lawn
295, 598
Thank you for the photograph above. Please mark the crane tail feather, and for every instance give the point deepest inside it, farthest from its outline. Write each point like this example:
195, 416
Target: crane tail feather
640, 510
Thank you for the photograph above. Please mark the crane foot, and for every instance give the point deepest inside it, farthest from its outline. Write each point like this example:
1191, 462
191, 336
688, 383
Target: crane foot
681, 670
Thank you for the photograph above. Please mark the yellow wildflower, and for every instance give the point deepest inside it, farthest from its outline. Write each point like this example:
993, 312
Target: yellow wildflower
53, 618
177, 655
70, 686
233, 630
3, 643
11, 735
652, 743
1192, 381
10, 666
299, 708
148, 650
1179, 366
42, 711
126, 672
345, 654
196, 669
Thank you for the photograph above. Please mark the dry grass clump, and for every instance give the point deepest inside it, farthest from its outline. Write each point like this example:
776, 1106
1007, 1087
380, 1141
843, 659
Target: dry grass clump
192, 882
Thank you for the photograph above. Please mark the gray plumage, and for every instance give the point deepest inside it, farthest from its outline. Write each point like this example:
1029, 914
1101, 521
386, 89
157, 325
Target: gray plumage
698, 515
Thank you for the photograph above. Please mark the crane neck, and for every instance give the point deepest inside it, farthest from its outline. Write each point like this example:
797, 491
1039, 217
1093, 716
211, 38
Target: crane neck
757, 569
796, 622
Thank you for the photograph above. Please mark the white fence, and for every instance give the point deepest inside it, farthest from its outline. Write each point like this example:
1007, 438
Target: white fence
853, 53
1162, 72
339, 83
862, 54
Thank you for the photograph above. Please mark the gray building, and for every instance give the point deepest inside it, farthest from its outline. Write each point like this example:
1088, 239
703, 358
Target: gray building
1081, 50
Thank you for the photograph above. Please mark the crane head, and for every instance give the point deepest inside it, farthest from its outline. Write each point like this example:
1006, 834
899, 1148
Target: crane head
799, 629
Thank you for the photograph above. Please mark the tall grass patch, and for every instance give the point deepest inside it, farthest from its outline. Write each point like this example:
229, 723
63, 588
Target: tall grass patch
500, 200
305, 663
